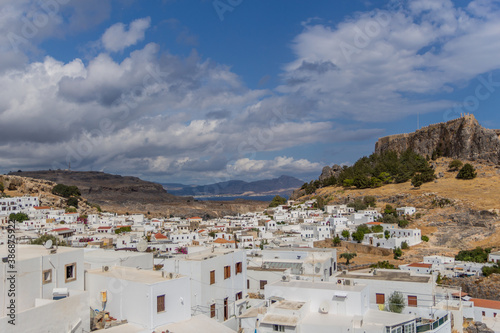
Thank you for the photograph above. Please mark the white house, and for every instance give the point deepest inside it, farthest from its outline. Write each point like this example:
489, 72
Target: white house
18, 204
143, 297
49, 290
218, 280
321, 307
494, 257
402, 211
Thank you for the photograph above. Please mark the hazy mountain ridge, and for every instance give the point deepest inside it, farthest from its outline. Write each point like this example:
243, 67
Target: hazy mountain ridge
282, 185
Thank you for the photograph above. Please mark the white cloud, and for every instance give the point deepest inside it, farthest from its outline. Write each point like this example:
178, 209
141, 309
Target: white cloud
271, 168
380, 58
117, 37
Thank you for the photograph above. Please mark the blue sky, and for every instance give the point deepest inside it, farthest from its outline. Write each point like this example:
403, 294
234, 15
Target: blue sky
206, 91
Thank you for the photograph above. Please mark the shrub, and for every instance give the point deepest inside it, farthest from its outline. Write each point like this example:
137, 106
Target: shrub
479, 255
455, 165
336, 241
345, 234
403, 223
66, 191
370, 201
358, 204
377, 228
383, 264
72, 202
404, 246
425, 238
397, 253
467, 172
396, 302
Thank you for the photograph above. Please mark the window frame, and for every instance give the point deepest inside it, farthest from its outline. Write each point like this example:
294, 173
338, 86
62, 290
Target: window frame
162, 303
70, 279
49, 280
212, 277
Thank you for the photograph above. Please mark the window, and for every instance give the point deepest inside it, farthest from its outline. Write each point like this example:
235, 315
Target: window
212, 277
278, 328
380, 298
484, 313
70, 271
212, 311
239, 296
248, 284
262, 284
239, 267
47, 276
227, 272
160, 303
412, 301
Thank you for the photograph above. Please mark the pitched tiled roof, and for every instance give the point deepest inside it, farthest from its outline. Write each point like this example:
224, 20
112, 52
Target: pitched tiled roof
486, 303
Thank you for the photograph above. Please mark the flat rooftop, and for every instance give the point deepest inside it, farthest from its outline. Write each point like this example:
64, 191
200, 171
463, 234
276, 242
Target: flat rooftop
203, 255
289, 305
134, 274
320, 285
101, 254
388, 275
25, 252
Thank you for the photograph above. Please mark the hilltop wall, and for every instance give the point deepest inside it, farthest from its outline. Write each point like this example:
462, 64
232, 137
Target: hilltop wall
461, 138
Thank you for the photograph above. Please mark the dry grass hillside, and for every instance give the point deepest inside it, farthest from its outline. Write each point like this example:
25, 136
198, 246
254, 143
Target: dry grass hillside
456, 214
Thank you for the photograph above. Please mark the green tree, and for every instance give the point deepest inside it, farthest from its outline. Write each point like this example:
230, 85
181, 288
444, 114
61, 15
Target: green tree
397, 253
487, 270
389, 210
348, 256
424, 238
336, 241
18, 217
479, 255
358, 204
212, 234
348, 182
390, 219
396, 302
66, 191
467, 172
385, 177
404, 246
403, 223
346, 234
44, 238
370, 201
277, 201
2, 188
387, 234
416, 181
377, 228
455, 165
72, 202
70, 209
358, 236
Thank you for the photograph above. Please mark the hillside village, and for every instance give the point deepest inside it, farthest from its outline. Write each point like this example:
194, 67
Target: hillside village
277, 270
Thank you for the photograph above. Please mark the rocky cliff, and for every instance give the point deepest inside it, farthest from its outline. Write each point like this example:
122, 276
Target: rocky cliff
461, 138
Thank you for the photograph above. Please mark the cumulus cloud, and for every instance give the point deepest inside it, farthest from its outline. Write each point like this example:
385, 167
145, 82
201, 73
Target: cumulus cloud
117, 37
373, 61
155, 114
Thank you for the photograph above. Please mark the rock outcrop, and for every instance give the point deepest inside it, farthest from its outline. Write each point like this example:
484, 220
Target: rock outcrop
478, 327
327, 172
461, 138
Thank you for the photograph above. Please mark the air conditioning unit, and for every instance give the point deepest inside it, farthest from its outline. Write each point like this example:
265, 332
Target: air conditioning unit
59, 293
105, 268
347, 282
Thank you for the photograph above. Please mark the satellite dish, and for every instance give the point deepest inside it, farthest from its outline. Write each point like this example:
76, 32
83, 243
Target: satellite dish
48, 244
324, 307
142, 246
317, 269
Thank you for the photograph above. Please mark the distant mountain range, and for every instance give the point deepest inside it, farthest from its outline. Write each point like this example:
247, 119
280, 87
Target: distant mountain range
283, 185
